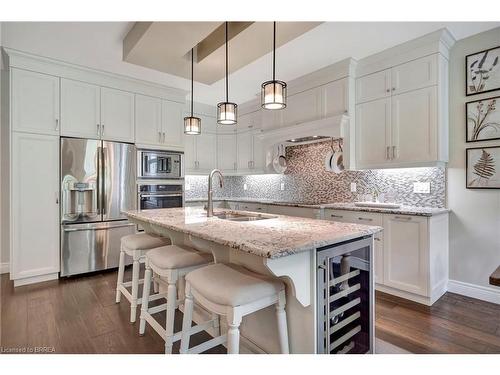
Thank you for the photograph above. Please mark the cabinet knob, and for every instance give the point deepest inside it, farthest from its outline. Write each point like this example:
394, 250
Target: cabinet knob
393, 89
388, 90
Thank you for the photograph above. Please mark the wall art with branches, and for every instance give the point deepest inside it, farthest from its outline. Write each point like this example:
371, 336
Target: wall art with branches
483, 119
482, 71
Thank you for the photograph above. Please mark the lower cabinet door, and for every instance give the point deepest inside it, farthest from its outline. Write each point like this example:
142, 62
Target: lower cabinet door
406, 255
34, 205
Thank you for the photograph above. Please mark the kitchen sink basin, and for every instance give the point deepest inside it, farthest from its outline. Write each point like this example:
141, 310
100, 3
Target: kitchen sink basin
377, 204
243, 217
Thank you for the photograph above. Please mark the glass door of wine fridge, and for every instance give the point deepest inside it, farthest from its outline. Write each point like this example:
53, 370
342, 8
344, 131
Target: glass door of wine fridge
345, 298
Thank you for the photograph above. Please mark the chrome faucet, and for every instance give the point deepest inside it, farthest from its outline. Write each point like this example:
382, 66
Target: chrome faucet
210, 204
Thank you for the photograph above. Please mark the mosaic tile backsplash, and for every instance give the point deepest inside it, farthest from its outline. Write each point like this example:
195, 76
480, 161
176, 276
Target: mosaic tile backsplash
306, 180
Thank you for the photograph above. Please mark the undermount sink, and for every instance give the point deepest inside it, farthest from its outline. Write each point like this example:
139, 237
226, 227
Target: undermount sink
377, 204
243, 217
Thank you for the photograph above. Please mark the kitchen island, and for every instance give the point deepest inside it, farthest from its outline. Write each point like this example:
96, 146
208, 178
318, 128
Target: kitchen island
289, 248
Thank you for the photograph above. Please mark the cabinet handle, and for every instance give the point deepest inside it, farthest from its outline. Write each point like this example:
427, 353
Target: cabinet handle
102, 130
394, 156
163, 137
337, 216
259, 208
377, 239
98, 129
234, 166
159, 137
387, 156
365, 219
57, 197
57, 124
403, 217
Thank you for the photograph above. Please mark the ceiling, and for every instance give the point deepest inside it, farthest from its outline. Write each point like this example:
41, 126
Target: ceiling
166, 46
99, 45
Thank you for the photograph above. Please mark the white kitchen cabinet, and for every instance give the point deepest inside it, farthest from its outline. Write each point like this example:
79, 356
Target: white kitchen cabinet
414, 74
244, 142
373, 134
117, 115
335, 100
414, 126
172, 124
253, 207
293, 211
302, 107
401, 120
34, 102
190, 162
406, 257
148, 120
80, 109
226, 152
373, 86
200, 153
34, 207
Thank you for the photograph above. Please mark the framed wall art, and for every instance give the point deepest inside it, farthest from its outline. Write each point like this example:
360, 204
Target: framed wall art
482, 71
483, 167
483, 119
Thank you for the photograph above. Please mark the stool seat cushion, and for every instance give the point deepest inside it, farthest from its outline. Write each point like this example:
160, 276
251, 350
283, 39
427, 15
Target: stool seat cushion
144, 241
232, 285
175, 257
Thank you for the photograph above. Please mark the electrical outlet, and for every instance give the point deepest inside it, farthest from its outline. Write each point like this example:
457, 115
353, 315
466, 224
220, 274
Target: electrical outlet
245, 187
422, 187
282, 186
353, 187
187, 187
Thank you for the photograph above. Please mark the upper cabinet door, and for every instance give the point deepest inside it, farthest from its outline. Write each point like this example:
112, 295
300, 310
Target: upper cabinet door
190, 162
334, 95
117, 115
226, 152
148, 118
373, 124
258, 163
373, 86
35, 102
206, 151
302, 107
244, 142
80, 109
414, 126
173, 126
415, 74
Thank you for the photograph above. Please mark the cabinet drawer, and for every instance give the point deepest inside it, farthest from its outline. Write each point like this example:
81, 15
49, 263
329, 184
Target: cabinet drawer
414, 75
373, 86
358, 217
255, 207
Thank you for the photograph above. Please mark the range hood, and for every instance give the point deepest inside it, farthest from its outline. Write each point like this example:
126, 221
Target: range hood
307, 132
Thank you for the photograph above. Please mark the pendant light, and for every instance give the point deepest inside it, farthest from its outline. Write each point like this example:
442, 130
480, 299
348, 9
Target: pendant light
273, 93
192, 125
227, 112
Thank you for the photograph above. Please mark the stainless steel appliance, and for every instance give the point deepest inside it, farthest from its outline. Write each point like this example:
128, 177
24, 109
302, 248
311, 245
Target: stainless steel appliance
345, 311
160, 164
97, 183
160, 194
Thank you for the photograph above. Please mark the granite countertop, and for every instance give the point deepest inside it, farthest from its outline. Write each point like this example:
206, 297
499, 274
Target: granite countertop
403, 210
271, 238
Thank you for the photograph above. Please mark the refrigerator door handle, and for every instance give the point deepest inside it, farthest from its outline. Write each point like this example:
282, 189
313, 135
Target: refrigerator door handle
99, 180
103, 177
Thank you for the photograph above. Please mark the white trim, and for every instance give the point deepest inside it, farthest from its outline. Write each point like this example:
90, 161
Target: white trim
483, 293
36, 279
4, 267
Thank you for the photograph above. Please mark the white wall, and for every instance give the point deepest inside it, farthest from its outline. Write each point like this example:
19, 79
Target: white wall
475, 217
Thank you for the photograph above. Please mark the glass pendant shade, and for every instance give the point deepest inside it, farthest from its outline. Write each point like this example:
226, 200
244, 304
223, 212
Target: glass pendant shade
273, 95
192, 125
227, 113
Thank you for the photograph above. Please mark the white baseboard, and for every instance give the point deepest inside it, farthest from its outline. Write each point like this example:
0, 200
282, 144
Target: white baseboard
489, 294
36, 279
4, 267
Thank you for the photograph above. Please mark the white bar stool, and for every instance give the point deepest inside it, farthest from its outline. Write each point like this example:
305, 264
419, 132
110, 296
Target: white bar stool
233, 291
169, 264
135, 245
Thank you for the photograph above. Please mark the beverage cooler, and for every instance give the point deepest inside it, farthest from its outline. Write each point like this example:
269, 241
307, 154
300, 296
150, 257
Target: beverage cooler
345, 298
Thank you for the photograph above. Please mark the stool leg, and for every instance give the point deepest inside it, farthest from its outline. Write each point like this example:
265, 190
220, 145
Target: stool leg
119, 281
216, 320
187, 320
135, 289
145, 299
169, 326
282, 324
233, 333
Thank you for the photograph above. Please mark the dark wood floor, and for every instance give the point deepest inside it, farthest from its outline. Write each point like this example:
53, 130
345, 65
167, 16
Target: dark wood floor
79, 315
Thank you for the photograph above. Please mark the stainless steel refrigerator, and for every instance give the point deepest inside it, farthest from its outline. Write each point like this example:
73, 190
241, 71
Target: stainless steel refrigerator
98, 182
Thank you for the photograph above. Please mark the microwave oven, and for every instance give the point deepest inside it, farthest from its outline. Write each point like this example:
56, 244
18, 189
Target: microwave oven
153, 164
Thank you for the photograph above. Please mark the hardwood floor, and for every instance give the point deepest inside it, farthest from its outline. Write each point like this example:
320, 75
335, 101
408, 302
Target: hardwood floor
454, 324
79, 315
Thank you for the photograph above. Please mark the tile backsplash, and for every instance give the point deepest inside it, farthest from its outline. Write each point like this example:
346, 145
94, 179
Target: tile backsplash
306, 180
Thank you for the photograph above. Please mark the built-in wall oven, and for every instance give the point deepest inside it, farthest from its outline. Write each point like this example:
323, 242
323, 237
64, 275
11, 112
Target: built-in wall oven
155, 164
160, 194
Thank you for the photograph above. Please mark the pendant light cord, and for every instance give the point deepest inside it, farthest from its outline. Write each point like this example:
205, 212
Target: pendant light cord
192, 79
227, 85
274, 51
